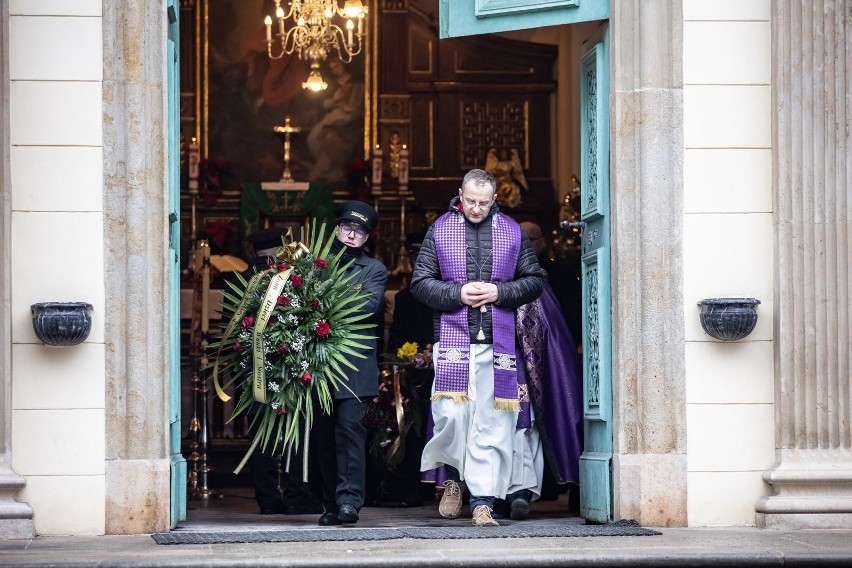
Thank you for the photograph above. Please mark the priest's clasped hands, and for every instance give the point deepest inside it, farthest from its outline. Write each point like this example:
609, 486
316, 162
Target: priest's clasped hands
477, 294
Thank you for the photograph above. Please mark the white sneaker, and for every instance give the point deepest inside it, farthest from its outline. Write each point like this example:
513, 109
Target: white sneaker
482, 516
451, 501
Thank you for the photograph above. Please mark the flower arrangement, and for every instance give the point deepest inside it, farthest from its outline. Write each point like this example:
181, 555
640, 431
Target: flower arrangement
409, 354
292, 330
391, 414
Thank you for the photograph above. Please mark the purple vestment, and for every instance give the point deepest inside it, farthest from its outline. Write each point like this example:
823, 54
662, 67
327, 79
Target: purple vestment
453, 361
555, 383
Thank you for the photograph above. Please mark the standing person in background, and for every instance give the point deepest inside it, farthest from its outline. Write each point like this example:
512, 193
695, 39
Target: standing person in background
296, 498
554, 377
475, 268
565, 273
340, 437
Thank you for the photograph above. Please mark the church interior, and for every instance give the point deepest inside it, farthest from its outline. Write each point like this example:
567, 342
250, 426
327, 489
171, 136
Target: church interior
274, 134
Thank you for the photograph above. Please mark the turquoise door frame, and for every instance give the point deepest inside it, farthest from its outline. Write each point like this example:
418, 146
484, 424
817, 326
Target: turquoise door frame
596, 460
177, 462
470, 17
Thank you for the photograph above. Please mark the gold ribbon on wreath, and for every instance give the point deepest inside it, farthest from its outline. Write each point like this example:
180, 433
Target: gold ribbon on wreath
289, 253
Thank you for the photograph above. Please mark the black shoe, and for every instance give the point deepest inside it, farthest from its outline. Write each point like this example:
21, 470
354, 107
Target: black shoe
347, 514
273, 510
519, 510
328, 519
500, 509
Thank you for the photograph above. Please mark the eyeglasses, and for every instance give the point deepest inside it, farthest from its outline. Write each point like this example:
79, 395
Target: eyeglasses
349, 230
473, 204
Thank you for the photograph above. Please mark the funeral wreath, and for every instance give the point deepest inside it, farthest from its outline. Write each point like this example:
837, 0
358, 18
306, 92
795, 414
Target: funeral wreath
292, 331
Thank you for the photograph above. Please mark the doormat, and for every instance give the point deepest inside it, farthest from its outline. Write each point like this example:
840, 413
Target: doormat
520, 530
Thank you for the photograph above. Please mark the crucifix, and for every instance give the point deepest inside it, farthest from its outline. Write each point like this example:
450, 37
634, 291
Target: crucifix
287, 129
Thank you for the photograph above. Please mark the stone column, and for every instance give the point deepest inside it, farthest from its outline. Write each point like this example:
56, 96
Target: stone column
812, 174
648, 355
136, 271
16, 518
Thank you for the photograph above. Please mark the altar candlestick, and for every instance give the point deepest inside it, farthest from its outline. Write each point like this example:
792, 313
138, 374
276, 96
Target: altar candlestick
377, 167
403, 265
193, 164
403, 167
193, 158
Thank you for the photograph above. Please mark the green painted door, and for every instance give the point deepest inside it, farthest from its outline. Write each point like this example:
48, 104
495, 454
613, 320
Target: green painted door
596, 460
178, 463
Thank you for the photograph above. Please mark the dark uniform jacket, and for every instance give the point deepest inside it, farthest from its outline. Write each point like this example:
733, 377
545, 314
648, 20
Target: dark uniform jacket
428, 287
372, 276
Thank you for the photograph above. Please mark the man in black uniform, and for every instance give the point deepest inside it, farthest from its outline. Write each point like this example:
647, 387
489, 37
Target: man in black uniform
340, 437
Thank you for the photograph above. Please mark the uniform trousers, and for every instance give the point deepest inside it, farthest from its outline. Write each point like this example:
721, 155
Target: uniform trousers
341, 445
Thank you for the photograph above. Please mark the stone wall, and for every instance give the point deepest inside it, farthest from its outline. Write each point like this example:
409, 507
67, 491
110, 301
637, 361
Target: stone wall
136, 266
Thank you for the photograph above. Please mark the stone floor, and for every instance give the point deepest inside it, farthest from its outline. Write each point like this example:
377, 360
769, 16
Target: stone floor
235, 509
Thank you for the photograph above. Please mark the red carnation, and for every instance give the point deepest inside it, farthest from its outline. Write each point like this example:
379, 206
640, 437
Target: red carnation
320, 263
296, 280
283, 301
248, 321
282, 410
306, 379
315, 303
283, 348
237, 346
270, 266
283, 266
322, 329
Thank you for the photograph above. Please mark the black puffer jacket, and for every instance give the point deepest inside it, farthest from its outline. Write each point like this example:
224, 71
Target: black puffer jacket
428, 287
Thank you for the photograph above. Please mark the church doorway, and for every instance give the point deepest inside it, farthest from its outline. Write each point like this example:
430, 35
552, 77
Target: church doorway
224, 62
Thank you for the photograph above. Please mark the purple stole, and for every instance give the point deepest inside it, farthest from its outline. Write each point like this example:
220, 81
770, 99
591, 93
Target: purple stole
453, 366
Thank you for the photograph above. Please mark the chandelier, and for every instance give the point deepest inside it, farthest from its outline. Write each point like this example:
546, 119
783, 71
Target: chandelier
313, 36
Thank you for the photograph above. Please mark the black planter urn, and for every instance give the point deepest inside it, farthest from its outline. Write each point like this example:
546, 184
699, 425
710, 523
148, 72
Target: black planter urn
62, 323
728, 319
